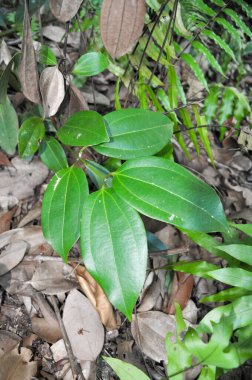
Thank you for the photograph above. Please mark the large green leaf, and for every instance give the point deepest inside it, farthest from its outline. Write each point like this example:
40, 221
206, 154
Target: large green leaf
8, 127
135, 133
82, 129
229, 294
114, 247
90, 64
52, 154
30, 134
126, 371
166, 191
61, 209
240, 252
196, 268
246, 228
233, 276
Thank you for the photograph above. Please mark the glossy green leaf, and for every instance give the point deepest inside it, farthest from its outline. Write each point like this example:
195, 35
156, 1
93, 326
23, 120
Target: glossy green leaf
164, 190
190, 61
114, 248
52, 154
83, 128
90, 64
135, 133
196, 268
233, 276
126, 371
240, 252
229, 294
96, 172
219, 41
8, 127
30, 134
61, 209
209, 56
246, 228
46, 56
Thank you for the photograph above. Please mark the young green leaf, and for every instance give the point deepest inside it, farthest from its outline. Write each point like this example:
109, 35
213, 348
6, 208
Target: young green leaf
61, 209
30, 134
163, 190
190, 61
230, 294
8, 127
113, 239
90, 64
233, 276
83, 128
126, 371
135, 133
46, 56
52, 154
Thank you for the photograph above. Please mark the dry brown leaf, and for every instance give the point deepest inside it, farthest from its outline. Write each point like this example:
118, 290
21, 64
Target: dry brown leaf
53, 278
4, 160
149, 330
52, 90
5, 219
17, 280
83, 326
22, 177
151, 295
64, 10
28, 71
8, 340
5, 55
11, 256
17, 366
46, 328
97, 297
121, 25
76, 102
181, 291
33, 214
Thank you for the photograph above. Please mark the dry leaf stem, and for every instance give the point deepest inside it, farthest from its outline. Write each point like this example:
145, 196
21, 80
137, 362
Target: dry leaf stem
75, 367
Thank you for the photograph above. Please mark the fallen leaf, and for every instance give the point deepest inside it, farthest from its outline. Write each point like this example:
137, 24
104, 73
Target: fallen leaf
121, 25
4, 160
149, 330
53, 278
96, 296
17, 280
181, 291
64, 10
8, 340
76, 102
5, 55
5, 219
16, 366
151, 295
56, 34
22, 177
52, 90
28, 71
11, 256
33, 214
83, 326
46, 328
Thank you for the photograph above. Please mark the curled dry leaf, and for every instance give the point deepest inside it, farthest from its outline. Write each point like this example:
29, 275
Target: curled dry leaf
28, 72
52, 90
64, 10
16, 365
149, 330
83, 326
121, 25
11, 256
96, 296
181, 291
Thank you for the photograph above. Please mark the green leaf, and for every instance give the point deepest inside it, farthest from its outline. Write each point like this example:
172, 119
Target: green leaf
179, 358
83, 128
188, 124
46, 56
245, 7
226, 108
203, 132
208, 373
114, 248
230, 294
190, 61
211, 104
246, 228
209, 56
61, 209
135, 133
233, 276
229, 28
219, 41
96, 172
240, 252
126, 371
90, 64
238, 21
163, 190
196, 268
8, 127
52, 154
30, 134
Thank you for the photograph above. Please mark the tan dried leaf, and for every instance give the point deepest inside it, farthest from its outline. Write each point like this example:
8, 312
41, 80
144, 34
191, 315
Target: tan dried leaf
28, 71
11, 256
121, 25
16, 366
52, 90
83, 326
76, 102
97, 297
5, 219
181, 291
4, 160
64, 10
8, 340
5, 55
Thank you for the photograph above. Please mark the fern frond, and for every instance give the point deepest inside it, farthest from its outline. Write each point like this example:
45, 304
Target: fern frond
190, 61
209, 56
203, 132
245, 7
211, 104
191, 131
237, 20
219, 41
229, 28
